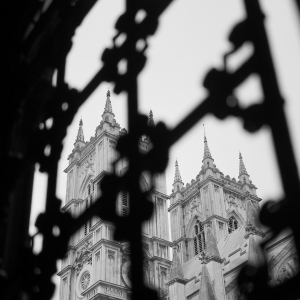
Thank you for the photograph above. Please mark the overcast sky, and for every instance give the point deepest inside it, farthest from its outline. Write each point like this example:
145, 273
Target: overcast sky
191, 39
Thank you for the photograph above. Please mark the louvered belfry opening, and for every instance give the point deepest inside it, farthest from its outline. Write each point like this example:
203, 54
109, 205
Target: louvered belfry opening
125, 207
199, 238
232, 225
36, 38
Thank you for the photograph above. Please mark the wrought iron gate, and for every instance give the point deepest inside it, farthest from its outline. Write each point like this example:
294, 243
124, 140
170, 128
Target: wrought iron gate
37, 39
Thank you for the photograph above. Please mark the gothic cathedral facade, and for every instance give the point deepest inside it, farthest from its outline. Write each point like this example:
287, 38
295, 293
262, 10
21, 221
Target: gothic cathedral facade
213, 220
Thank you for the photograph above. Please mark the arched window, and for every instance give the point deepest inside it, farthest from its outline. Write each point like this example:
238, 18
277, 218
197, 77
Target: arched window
199, 238
232, 225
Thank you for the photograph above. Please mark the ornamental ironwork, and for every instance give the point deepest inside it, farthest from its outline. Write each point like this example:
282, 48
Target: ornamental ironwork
37, 36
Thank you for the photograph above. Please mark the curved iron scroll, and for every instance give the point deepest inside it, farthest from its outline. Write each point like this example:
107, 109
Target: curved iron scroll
43, 49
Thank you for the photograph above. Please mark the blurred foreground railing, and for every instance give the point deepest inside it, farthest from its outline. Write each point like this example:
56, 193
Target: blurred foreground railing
37, 38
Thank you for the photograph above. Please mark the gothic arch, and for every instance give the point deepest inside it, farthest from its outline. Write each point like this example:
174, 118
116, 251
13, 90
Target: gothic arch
234, 213
190, 226
83, 188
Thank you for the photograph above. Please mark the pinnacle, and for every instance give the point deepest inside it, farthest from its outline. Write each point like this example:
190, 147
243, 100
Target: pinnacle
177, 173
206, 290
176, 269
80, 136
108, 107
206, 149
242, 168
211, 244
150, 119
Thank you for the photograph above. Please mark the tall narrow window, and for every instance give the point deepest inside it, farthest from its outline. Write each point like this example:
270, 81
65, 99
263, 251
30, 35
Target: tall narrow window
199, 238
86, 224
125, 206
91, 194
88, 203
232, 225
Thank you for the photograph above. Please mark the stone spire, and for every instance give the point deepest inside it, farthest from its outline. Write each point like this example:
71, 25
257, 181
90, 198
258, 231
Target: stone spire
108, 107
176, 269
150, 119
207, 158
206, 291
177, 177
211, 251
108, 115
242, 168
80, 136
206, 149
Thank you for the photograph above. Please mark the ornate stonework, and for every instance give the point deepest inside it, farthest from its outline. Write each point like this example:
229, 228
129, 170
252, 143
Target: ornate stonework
83, 257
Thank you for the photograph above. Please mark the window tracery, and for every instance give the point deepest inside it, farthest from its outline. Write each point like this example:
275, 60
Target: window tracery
199, 238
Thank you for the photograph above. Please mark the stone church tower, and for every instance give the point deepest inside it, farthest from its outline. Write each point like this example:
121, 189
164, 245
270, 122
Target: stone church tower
96, 266
215, 229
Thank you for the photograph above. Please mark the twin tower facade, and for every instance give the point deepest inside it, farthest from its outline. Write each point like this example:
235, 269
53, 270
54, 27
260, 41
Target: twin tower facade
213, 224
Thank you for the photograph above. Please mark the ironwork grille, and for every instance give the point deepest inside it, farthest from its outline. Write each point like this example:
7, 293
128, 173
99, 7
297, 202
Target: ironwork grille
35, 46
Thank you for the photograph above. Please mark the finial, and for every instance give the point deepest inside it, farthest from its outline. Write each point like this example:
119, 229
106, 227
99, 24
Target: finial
80, 136
150, 119
206, 149
108, 107
242, 168
177, 177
